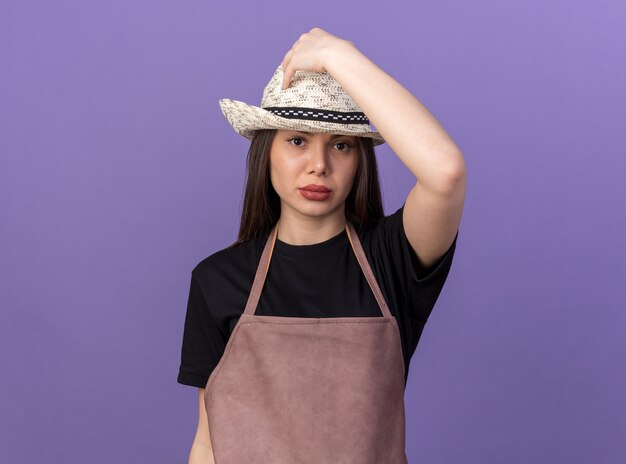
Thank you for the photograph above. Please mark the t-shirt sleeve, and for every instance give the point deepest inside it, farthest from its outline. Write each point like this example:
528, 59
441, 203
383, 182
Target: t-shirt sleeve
437, 271
203, 342
420, 294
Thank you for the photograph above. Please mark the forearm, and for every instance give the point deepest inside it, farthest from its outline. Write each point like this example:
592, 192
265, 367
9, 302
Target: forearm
201, 453
411, 131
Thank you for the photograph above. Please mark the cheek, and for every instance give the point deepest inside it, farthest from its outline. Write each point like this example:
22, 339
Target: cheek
281, 175
288, 167
275, 178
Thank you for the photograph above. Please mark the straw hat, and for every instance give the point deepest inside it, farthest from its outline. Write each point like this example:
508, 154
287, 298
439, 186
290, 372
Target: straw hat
313, 102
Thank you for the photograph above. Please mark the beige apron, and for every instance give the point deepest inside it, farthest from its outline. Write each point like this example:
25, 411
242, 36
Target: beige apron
309, 390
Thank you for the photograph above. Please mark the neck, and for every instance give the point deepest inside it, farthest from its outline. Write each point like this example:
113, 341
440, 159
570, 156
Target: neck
295, 230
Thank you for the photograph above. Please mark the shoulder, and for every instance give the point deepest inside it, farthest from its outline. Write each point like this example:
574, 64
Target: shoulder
380, 236
386, 242
228, 261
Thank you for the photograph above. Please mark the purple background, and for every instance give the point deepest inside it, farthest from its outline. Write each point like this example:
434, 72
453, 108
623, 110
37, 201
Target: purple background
119, 173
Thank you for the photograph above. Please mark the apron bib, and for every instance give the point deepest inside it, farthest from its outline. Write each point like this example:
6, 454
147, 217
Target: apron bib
309, 390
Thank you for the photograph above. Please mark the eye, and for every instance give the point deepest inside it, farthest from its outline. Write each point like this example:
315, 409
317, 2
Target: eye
347, 146
296, 138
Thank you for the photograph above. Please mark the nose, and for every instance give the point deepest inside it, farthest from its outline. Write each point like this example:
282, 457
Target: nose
318, 160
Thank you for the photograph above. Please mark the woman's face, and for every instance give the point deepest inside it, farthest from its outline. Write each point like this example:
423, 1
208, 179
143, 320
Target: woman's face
299, 159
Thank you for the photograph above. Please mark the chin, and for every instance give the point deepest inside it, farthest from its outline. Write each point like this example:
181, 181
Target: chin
319, 209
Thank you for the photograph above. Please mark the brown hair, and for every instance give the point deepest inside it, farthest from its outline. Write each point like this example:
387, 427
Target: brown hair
261, 203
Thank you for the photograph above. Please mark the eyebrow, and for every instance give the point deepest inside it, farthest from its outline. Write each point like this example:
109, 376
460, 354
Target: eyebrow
310, 133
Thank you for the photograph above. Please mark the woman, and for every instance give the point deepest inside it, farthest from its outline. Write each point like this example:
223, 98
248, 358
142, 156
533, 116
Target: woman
306, 360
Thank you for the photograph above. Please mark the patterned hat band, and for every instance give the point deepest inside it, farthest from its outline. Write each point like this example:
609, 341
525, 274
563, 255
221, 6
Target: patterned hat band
316, 114
313, 102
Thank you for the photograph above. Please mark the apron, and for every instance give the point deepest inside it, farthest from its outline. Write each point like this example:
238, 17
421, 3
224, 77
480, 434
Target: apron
309, 390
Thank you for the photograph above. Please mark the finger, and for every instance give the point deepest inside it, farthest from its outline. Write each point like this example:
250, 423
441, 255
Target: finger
287, 78
287, 72
287, 58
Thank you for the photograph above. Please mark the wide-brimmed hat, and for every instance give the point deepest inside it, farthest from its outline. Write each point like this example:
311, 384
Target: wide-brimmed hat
313, 102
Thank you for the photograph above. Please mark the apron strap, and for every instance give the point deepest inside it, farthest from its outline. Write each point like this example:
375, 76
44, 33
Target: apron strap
266, 256
367, 270
261, 272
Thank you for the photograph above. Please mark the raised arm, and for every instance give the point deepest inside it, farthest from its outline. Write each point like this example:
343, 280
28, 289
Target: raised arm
433, 208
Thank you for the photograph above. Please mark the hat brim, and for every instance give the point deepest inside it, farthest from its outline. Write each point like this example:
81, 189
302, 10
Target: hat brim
245, 119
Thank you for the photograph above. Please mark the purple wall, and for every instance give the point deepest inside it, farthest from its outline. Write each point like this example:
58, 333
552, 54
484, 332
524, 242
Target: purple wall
118, 173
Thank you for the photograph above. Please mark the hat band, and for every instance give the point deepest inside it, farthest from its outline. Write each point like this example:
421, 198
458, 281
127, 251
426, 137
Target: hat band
316, 114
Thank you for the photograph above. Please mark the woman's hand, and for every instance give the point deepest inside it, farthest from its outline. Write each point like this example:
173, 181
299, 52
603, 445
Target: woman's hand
311, 52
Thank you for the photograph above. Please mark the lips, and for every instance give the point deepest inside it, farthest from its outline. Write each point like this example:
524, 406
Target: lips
315, 188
